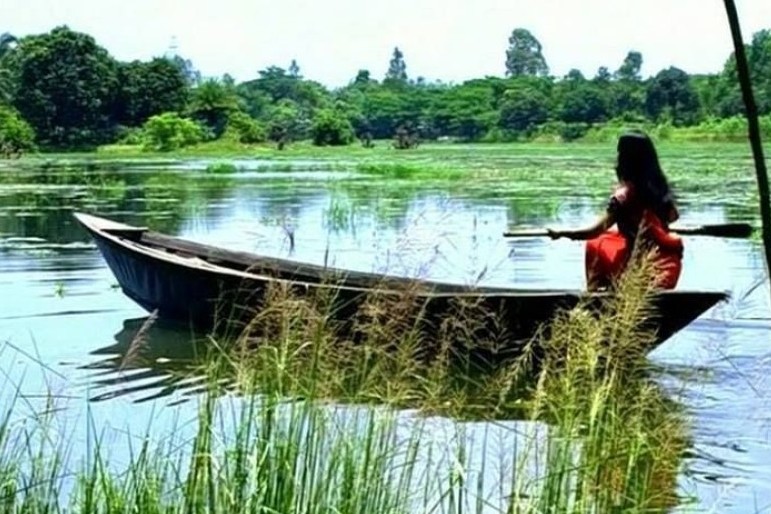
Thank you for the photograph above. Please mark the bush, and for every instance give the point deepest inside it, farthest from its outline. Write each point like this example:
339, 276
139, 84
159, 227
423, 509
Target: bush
168, 131
331, 128
133, 136
221, 167
243, 128
565, 131
16, 134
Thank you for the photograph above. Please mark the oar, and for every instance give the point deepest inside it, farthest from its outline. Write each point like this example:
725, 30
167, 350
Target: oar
732, 230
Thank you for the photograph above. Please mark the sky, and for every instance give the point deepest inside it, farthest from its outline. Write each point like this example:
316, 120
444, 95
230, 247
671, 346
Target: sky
447, 40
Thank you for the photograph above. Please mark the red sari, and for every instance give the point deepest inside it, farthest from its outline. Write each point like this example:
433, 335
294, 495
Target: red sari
608, 254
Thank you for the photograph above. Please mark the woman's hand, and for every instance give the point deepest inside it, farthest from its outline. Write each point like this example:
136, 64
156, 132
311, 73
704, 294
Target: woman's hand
555, 234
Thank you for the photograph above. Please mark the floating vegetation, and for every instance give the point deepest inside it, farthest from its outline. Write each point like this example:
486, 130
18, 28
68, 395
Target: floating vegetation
222, 167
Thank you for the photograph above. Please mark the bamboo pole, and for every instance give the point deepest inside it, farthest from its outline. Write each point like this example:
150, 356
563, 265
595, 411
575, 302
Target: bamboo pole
742, 69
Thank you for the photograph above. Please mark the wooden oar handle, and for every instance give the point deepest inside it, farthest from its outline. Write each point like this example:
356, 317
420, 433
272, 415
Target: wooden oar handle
534, 232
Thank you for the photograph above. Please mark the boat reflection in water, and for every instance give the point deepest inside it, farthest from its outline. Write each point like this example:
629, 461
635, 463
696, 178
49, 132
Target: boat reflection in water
151, 358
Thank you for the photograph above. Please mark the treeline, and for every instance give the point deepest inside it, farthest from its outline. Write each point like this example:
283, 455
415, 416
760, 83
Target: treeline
62, 90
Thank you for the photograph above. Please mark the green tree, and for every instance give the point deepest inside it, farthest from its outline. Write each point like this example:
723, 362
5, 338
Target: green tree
66, 87
603, 76
331, 128
630, 68
243, 128
363, 78
15, 133
710, 92
466, 111
671, 97
525, 55
149, 88
580, 101
523, 109
397, 69
212, 103
7, 44
626, 99
729, 96
192, 75
276, 83
759, 62
294, 70
286, 123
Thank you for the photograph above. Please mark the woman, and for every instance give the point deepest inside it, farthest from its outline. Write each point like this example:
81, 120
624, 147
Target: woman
642, 207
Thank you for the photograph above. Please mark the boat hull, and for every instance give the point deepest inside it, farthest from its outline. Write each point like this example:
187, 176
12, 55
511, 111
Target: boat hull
191, 289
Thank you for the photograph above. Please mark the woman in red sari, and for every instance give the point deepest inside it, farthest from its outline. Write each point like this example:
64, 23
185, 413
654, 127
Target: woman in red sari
641, 208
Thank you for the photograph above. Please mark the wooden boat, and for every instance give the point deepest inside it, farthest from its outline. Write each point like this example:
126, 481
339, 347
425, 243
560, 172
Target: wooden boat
214, 288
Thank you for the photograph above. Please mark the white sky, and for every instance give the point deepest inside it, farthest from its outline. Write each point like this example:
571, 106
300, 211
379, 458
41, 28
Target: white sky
450, 40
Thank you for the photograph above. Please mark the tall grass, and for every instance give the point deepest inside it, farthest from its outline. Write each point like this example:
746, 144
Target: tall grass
294, 420
614, 441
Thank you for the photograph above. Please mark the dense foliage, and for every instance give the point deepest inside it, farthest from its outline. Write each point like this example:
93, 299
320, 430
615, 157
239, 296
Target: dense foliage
74, 94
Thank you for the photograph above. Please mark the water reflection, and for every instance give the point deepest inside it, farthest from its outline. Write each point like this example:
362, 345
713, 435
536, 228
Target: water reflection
149, 359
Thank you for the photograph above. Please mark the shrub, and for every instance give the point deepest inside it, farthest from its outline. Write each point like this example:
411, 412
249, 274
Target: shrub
168, 131
221, 167
331, 128
15, 133
243, 128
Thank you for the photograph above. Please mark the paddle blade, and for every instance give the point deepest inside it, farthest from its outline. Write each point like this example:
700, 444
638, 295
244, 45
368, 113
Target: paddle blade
730, 230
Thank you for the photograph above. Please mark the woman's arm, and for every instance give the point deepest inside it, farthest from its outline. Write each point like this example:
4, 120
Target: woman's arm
600, 226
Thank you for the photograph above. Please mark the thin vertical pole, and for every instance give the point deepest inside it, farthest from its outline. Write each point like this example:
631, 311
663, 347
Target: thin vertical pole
751, 110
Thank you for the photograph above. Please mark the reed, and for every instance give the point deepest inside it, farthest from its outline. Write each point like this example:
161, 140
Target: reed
294, 419
614, 441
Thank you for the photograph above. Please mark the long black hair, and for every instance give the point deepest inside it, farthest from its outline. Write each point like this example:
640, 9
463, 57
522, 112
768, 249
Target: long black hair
638, 164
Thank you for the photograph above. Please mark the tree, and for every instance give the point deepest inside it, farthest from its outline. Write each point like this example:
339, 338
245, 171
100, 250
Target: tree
294, 70
212, 104
466, 111
243, 128
575, 76
523, 108
7, 44
603, 75
671, 96
16, 135
578, 100
759, 62
363, 78
584, 103
286, 123
729, 96
630, 68
397, 69
192, 75
525, 55
331, 128
66, 87
150, 88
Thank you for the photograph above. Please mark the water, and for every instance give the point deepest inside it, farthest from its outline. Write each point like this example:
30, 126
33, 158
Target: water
66, 326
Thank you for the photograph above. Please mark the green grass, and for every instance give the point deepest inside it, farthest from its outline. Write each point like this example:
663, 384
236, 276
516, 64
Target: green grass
304, 423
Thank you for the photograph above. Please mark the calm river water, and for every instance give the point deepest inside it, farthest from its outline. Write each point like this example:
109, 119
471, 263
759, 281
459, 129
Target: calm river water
64, 326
